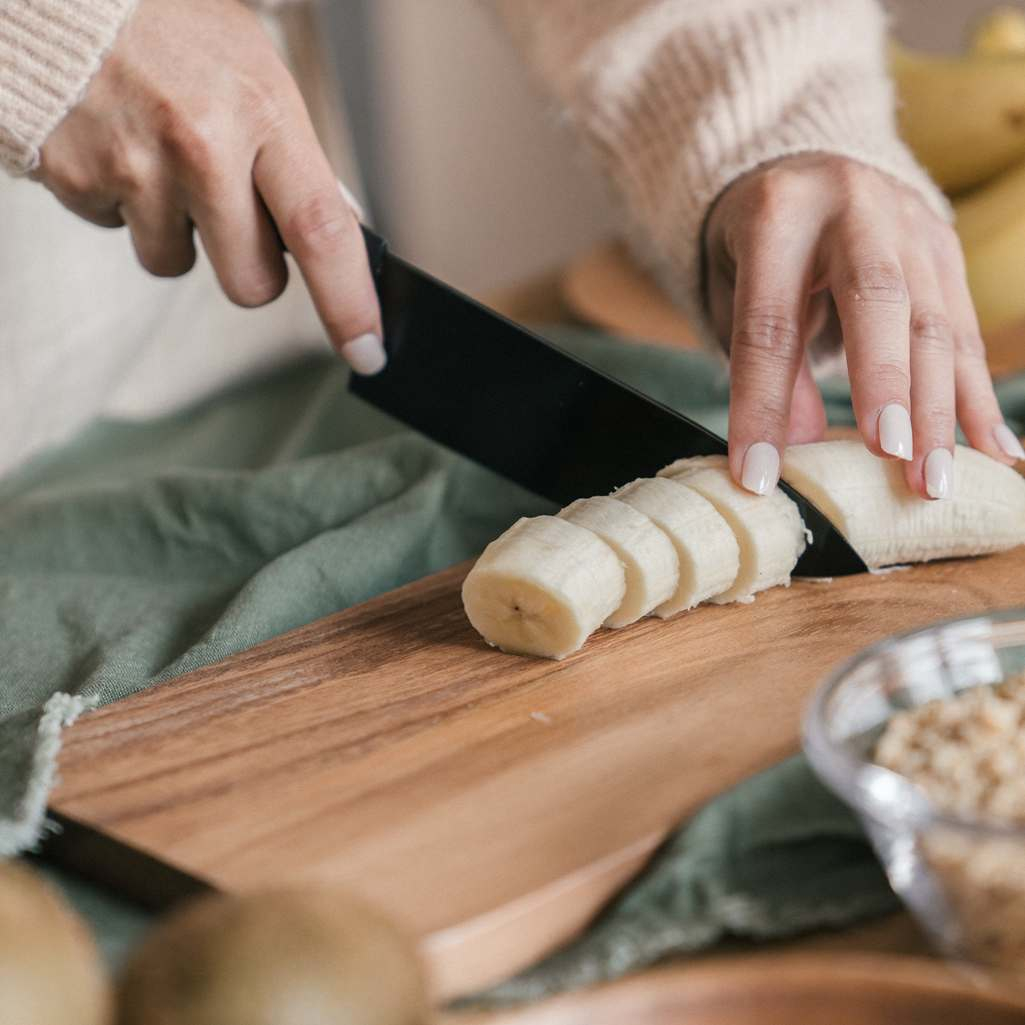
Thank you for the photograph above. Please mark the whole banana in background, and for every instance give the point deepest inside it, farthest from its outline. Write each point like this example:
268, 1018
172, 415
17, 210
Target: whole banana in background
964, 119
991, 225
1001, 33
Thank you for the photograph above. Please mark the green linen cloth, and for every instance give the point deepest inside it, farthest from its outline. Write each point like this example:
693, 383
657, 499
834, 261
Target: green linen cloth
141, 551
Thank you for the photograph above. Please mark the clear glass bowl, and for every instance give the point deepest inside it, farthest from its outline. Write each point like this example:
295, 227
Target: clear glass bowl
963, 879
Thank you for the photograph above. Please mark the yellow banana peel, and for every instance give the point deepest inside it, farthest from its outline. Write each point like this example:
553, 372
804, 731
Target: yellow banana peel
999, 33
963, 117
991, 226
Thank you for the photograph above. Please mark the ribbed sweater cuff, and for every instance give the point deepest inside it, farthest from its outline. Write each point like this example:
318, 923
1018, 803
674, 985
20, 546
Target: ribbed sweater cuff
49, 51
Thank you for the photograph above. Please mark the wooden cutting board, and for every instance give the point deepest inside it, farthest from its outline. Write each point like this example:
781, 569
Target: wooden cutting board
491, 803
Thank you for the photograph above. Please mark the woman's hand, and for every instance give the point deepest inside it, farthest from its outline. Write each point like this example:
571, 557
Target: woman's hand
797, 245
194, 122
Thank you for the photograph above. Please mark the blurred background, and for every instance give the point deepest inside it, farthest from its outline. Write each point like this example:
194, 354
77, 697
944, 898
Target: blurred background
463, 165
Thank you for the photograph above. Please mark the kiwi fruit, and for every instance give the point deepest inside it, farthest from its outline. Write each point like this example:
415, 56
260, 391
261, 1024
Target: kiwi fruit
50, 970
283, 957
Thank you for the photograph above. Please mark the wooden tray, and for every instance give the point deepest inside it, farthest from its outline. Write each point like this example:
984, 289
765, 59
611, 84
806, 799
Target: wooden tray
491, 803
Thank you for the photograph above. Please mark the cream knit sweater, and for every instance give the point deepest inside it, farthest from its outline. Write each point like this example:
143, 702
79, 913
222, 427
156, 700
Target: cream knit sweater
674, 98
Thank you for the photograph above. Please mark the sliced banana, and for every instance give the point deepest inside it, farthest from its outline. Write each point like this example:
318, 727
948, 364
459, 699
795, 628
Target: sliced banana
869, 502
683, 467
665, 544
543, 587
648, 556
705, 546
768, 528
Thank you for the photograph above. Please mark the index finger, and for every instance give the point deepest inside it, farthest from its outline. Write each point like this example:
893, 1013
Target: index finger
321, 231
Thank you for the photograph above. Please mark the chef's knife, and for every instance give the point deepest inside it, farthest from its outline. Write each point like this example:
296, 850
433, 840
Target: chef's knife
519, 405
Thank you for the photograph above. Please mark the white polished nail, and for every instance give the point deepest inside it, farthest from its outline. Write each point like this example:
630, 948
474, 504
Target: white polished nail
895, 437
939, 473
1009, 444
365, 354
761, 468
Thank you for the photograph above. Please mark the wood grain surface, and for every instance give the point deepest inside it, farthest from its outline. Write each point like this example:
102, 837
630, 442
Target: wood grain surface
491, 803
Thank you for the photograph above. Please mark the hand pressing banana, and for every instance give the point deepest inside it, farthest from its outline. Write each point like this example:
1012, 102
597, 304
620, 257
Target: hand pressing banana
662, 545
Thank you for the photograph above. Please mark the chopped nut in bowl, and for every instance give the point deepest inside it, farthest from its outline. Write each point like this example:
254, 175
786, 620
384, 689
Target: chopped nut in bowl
924, 736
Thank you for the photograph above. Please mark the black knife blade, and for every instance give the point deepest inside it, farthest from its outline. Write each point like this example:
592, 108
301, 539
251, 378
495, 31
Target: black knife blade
490, 390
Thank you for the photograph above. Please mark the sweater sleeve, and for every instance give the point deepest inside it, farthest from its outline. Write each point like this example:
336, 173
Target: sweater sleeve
49, 50
676, 98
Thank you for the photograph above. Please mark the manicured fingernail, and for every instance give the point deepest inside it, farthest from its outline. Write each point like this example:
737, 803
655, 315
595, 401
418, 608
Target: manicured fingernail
895, 431
761, 468
1009, 444
939, 473
365, 354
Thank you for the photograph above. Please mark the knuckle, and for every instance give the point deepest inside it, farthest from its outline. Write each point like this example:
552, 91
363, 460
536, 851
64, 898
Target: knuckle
769, 333
937, 420
969, 346
891, 377
190, 141
853, 178
318, 224
69, 181
879, 282
775, 190
770, 419
123, 169
261, 105
931, 333
769, 207
859, 188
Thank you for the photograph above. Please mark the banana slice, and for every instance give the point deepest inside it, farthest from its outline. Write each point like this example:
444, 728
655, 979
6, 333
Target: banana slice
768, 528
543, 587
683, 467
705, 545
648, 556
868, 500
